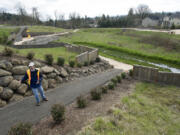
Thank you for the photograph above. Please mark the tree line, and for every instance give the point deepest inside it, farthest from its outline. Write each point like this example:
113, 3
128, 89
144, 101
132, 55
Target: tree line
133, 19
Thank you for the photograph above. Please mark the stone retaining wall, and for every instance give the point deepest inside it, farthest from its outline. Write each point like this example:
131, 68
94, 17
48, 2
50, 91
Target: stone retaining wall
153, 75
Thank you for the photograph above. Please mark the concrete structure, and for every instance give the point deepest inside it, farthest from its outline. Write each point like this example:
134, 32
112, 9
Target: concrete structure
87, 54
148, 22
153, 75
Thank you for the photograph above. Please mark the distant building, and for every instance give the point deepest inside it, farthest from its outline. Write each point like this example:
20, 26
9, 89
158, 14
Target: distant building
169, 21
148, 22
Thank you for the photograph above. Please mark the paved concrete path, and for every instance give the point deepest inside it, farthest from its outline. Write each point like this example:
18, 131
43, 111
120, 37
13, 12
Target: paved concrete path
118, 65
26, 111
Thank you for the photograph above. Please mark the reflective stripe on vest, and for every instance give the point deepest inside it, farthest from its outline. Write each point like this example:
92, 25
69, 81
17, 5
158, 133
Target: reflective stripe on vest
29, 75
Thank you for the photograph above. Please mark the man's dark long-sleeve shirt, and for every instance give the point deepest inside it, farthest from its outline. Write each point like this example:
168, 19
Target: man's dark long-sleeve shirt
34, 79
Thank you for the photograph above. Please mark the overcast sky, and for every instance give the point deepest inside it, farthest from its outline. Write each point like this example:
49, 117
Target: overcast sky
90, 8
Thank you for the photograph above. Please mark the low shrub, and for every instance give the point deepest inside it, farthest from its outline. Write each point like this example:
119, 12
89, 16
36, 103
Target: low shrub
104, 89
3, 38
71, 63
118, 78
30, 55
111, 86
81, 102
98, 59
49, 59
8, 52
58, 112
60, 61
86, 63
21, 129
79, 65
123, 75
131, 72
114, 80
96, 94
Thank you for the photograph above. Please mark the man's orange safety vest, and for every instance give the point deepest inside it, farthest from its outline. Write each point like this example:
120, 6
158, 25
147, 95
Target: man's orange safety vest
29, 75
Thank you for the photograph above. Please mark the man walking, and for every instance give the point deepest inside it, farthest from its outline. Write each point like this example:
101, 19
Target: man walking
34, 79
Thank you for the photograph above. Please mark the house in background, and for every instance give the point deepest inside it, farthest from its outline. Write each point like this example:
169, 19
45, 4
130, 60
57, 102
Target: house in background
150, 22
169, 21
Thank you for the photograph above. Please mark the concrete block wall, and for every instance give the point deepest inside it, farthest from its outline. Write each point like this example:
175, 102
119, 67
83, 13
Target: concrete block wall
86, 54
83, 57
153, 75
93, 55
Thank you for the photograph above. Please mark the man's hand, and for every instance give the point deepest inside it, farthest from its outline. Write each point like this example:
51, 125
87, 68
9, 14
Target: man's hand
37, 82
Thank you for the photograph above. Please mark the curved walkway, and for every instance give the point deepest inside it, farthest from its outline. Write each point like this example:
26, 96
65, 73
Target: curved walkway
117, 64
26, 111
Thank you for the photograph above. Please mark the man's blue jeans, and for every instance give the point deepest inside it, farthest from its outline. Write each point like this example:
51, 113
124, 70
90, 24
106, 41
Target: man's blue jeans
41, 91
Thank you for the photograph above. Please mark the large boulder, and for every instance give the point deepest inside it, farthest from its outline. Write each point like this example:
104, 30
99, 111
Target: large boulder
19, 70
16, 97
16, 62
18, 77
2, 103
14, 85
63, 72
7, 94
59, 79
22, 89
45, 84
6, 65
4, 81
4, 73
37, 64
28, 93
47, 69
1, 90
51, 75
51, 83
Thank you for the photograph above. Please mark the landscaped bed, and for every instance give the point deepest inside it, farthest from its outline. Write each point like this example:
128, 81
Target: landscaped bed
133, 107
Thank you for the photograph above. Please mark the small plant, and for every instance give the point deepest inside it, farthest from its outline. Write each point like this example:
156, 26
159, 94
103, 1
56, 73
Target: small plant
58, 112
86, 63
91, 62
60, 61
111, 86
96, 94
104, 89
30, 55
98, 59
123, 75
118, 78
81, 102
79, 65
71, 63
131, 72
49, 59
21, 129
8, 52
114, 80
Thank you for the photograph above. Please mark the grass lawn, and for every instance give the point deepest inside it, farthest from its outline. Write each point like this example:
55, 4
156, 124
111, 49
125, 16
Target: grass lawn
150, 110
46, 29
131, 43
40, 52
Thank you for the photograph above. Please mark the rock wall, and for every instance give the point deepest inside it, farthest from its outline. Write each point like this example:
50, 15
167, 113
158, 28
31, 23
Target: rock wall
153, 75
12, 71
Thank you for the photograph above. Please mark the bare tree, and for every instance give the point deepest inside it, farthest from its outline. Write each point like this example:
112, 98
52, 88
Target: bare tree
22, 12
143, 11
35, 15
55, 18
